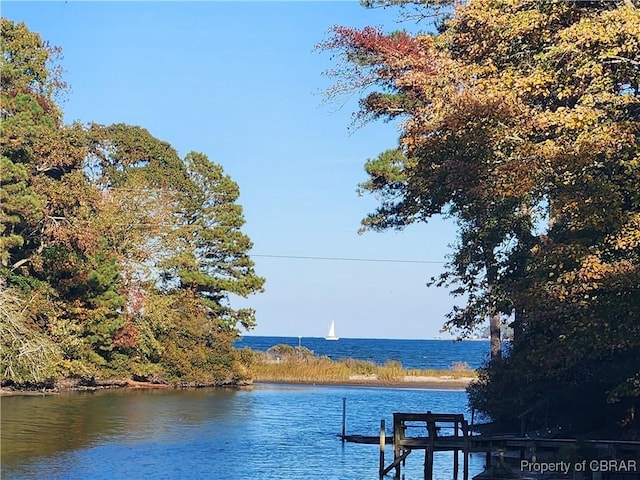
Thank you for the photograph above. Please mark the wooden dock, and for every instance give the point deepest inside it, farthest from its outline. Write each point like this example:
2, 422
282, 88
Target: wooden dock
438, 432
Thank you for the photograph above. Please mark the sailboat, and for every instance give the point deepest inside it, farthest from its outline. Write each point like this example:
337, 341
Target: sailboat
332, 332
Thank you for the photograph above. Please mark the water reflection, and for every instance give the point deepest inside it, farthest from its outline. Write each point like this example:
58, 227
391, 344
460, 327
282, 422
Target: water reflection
44, 425
270, 432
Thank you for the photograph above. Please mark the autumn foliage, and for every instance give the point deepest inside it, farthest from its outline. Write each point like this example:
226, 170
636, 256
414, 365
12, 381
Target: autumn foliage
521, 121
117, 257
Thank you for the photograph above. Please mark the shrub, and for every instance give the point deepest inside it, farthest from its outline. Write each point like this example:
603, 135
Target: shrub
460, 366
27, 355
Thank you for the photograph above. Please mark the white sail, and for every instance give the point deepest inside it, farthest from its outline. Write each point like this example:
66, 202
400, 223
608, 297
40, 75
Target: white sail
332, 332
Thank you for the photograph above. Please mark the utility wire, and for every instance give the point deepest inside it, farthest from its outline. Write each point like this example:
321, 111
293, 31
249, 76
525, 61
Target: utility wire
347, 259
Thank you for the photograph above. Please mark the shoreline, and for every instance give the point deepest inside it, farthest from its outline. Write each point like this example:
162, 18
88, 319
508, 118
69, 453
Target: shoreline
68, 385
409, 381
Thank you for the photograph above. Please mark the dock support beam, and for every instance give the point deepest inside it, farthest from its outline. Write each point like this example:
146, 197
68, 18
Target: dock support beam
456, 426
344, 418
383, 440
398, 433
465, 454
429, 452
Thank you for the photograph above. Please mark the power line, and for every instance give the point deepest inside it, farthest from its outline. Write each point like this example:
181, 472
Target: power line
348, 259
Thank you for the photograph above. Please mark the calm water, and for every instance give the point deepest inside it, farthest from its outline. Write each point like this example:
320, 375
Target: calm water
266, 432
423, 354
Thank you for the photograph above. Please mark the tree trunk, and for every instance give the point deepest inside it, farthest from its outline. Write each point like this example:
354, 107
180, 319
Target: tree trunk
495, 325
517, 326
495, 320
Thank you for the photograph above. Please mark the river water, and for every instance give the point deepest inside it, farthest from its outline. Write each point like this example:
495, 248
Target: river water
264, 432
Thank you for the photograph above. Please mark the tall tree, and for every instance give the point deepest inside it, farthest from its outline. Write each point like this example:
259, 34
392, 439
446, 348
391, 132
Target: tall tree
44, 199
28, 114
213, 259
441, 168
128, 255
521, 121
175, 227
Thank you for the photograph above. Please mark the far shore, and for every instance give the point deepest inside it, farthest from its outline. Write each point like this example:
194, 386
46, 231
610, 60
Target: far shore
409, 381
75, 385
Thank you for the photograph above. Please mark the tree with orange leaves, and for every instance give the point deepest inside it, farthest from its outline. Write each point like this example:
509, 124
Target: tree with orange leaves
521, 121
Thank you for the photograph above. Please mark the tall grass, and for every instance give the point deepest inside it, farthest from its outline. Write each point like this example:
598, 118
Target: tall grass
294, 364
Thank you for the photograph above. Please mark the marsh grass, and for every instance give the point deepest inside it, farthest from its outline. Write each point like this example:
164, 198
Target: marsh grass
294, 364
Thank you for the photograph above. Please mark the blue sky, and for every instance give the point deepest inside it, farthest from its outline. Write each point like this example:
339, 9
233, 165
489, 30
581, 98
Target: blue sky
242, 83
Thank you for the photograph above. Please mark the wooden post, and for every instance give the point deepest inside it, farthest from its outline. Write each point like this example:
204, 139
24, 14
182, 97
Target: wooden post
465, 449
383, 439
455, 451
397, 432
532, 451
344, 418
428, 462
429, 451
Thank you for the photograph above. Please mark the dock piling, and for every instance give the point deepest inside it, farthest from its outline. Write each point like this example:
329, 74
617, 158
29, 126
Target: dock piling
383, 440
455, 453
344, 418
